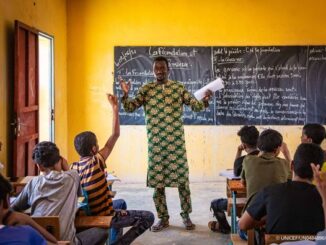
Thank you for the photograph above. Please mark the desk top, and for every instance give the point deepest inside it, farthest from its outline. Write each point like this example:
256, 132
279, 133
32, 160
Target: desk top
236, 185
93, 221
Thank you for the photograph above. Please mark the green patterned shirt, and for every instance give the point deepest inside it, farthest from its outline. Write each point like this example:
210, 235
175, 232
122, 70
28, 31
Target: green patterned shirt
163, 106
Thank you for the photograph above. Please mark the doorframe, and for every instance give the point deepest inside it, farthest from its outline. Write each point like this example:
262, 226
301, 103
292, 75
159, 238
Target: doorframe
52, 93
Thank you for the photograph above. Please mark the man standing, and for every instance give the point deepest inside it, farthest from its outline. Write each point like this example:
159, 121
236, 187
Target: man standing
163, 102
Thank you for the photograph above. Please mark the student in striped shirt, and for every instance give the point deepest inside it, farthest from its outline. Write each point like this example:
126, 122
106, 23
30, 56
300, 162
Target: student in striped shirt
92, 171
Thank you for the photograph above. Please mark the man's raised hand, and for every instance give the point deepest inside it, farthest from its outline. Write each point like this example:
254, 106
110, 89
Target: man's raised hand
124, 86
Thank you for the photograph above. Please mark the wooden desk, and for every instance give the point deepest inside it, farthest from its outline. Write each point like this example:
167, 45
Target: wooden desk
235, 186
84, 222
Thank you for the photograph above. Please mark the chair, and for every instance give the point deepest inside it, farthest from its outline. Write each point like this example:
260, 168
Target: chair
240, 204
279, 238
50, 223
236, 240
233, 187
85, 222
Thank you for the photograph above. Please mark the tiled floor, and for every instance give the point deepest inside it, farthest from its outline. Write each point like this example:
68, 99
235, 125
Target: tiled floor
138, 196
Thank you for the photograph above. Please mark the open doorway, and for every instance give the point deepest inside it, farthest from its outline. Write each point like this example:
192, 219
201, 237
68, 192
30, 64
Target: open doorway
46, 88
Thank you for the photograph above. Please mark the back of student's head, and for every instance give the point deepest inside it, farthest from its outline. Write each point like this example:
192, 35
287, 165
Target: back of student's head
269, 140
84, 142
304, 155
316, 132
5, 189
249, 135
46, 154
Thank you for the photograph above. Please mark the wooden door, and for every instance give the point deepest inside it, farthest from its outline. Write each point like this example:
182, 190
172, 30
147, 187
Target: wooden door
25, 99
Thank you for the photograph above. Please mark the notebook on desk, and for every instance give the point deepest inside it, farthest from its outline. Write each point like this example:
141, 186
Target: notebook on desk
228, 173
112, 178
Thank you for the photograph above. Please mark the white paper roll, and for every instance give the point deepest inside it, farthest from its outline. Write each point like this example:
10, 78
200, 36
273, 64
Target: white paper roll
215, 85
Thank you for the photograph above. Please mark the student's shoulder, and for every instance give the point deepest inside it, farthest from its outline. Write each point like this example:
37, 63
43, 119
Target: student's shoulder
72, 174
250, 158
280, 160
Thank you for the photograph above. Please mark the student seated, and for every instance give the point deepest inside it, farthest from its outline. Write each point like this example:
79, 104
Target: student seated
18, 228
314, 133
294, 207
55, 194
248, 137
92, 171
266, 168
320, 180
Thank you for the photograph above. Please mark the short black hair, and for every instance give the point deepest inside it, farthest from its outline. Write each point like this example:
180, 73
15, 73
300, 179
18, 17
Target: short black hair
46, 154
249, 135
84, 143
315, 131
161, 58
304, 155
269, 140
5, 189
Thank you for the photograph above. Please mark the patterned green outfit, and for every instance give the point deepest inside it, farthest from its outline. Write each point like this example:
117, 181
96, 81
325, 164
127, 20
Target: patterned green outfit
167, 159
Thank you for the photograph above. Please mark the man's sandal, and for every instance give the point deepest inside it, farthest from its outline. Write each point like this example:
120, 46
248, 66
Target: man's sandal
188, 224
160, 225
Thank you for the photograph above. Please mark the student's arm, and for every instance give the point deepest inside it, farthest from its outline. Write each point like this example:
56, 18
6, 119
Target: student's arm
320, 179
237, 165
107, 149
243, 173
255, 214
247, 222
21, 202
16, 218
286, 153
64, 164
239, 151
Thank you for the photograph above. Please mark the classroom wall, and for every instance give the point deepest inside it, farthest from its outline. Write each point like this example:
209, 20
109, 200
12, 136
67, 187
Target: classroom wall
48, 16
96, 26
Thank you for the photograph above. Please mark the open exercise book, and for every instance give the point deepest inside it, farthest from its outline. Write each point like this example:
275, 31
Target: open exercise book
228, 173
111, 177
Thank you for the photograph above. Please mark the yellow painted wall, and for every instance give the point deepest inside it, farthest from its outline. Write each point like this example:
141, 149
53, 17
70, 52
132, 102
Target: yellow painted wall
96, 26
48, 16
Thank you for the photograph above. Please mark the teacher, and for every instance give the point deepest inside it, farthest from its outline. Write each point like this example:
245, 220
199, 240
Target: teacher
163, 101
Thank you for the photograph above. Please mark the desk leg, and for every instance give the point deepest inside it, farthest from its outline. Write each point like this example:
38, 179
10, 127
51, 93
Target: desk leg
234, 213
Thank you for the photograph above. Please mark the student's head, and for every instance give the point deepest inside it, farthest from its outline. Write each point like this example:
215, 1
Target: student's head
5, 190
270, 140
86, 144
249, 136
306, 154
313, 133
161, 68
46, 155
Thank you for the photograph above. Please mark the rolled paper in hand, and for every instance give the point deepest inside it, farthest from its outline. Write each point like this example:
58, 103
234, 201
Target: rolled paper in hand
215, 85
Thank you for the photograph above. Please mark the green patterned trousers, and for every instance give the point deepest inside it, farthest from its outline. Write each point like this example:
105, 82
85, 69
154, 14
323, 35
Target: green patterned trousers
160, 202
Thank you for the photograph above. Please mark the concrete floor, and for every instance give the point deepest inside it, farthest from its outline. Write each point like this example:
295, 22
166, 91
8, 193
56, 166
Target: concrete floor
138, 196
